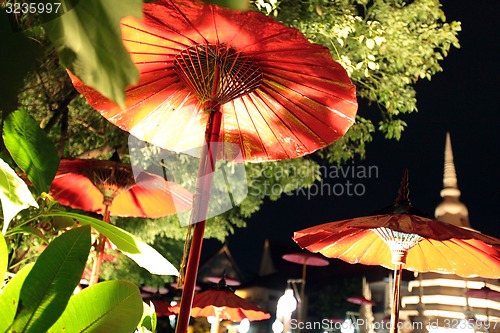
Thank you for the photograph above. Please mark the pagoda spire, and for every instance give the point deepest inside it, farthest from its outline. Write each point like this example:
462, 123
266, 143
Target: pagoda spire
451, 209
450, 174
266, 263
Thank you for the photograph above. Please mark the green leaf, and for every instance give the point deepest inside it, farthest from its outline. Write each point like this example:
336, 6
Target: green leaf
232, 4
49, 285
29, 230
4, 259
9, 298
140, 252
61, 223
148, 320
20, 54
14, 194
118, 309
88, 40
31, 149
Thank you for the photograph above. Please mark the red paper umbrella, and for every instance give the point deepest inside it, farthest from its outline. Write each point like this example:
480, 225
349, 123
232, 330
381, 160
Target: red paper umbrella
93, 185
223, 304
209, 74
280, 96
161, 308
110, 188
360, 300
403, 240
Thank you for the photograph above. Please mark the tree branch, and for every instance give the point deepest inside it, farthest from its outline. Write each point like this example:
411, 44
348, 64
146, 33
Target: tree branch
59, 111
96, 152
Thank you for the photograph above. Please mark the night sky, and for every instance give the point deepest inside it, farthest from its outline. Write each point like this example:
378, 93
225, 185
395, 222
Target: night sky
463, 99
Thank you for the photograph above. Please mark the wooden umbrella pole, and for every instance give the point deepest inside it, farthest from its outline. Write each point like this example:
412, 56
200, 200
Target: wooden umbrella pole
302, 293
199, 215
395, 299
101, 242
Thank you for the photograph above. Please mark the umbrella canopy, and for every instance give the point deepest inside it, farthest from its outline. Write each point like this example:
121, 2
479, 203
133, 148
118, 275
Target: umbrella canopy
305, 258
223, 304
403, 240
234, 308
280, 96
110, 188
161, 307
91, 185
442, 247
485, 292
229, 281
360, 300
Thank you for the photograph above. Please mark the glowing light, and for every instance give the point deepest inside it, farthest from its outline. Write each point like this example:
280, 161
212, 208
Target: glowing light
347, 326
287, 303
244, 326
278, 326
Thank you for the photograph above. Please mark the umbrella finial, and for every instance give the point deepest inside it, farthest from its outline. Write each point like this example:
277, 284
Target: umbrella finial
222, 285
402, 203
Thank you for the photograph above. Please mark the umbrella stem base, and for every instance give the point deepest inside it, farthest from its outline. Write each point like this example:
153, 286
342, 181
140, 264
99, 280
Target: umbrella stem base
96, 268
101, 244
396, 297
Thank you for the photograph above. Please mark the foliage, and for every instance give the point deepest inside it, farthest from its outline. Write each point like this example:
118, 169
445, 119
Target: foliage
87, 38
39, 298
119, 309
14, 194
50, 283
31, 149
38, 294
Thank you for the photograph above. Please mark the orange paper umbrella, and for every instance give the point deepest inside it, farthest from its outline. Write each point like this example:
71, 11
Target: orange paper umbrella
403, 240
223, 304
209, 74
110, 188
93, 185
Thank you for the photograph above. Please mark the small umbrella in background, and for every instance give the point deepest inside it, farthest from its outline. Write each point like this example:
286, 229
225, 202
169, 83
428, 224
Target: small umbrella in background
230, 282
161, 307
180, 287
110, 188
399, 238
223, 304
224, 79
305, 259
365, 312
485, 293
360, 300
153, 292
